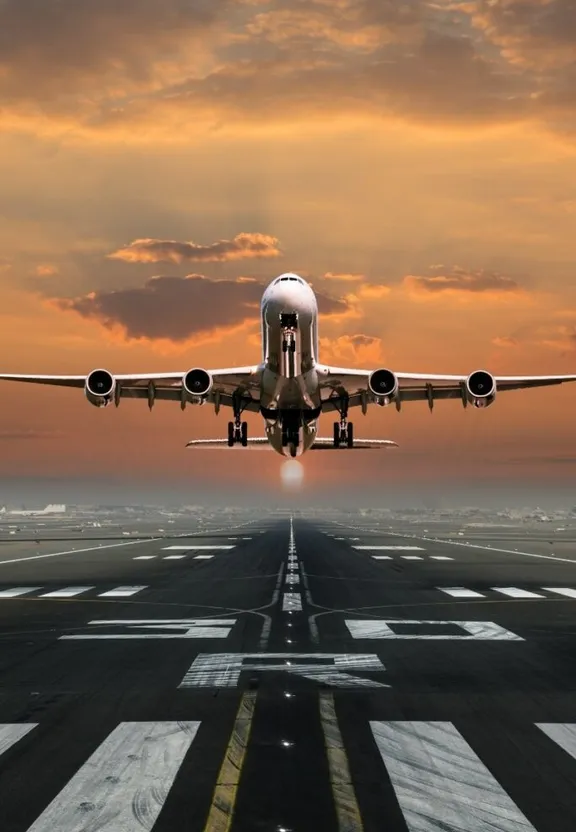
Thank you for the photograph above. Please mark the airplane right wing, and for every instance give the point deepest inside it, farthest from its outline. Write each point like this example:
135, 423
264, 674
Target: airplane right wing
322, 443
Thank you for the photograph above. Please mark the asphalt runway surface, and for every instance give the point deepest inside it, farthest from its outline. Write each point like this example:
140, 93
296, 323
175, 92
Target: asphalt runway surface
298, 675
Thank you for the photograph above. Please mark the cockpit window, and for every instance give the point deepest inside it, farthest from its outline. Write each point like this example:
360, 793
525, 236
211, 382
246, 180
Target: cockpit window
290, 277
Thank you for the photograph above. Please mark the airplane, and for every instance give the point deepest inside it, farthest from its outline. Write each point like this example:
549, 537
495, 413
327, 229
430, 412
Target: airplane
290, 388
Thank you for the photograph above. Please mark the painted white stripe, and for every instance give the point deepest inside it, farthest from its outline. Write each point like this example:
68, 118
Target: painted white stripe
479, 630
514, 592
292, 579
411, 557
11, 733
79, 551
18, 590
562, 733
203, 557
492, 549
561, 590
124, 784
382, 557
173, 557
440, 557
402, 548
144, 557
460, 592
291, 601
121, 592
193, 546
440, 783
67, 592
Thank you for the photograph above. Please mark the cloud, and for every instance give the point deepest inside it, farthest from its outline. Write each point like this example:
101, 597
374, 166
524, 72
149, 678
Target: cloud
359, 348
504, 341
45, 270
455, 280
178, 309
245, 245
344, 277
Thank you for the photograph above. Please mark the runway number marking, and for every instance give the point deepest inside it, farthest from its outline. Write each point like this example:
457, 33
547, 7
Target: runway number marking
222, 670
180, 627
384, 629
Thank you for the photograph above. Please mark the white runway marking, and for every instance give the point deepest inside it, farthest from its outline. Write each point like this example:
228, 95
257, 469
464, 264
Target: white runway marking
124, 784
173, 557
411, 557
460, 592
67, 592
493, 549
144, 557
18, 590
292, 579
203, 557
479, 630
291, 601
382, 557
121, 592
10, 734
79, 551
390, 548
193, 546
440, 557
561, 590
182, 627
514, 592
562, 733
440, 783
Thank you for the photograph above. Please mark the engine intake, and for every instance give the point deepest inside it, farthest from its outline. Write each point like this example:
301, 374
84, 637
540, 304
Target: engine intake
99, 388
481, 388
197, 382
383, 384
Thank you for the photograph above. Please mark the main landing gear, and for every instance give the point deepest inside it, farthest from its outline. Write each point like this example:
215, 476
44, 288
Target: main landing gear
344, 430
237, 430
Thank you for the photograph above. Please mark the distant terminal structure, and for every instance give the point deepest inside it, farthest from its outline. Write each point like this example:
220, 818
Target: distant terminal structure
52, 508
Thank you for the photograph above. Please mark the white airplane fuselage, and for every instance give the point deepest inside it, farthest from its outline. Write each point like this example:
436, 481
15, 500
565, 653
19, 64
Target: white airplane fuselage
290, 394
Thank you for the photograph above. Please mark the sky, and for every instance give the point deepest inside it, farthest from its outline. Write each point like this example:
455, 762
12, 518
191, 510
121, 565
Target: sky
162, 160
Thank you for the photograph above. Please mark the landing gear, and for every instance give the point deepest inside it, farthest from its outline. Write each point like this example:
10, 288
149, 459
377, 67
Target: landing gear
238, 432
344, 430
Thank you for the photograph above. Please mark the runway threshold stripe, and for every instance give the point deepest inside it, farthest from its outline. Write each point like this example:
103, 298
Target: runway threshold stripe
18, 590
121, 592
440, 557
561, 590
382, 557
193, 546
411, 557
203, 557
347, 811
221, 811
144, 557
390, 548
67, 592
562, 733
440, 782
515, 592
125, 782
460, 592
11, 733
173, 557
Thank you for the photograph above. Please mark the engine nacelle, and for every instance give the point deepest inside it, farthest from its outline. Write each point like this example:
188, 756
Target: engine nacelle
384, 385
99, 388
197, 383
480, 388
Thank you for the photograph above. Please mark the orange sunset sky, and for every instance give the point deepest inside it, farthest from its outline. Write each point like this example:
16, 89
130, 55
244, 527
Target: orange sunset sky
162, 160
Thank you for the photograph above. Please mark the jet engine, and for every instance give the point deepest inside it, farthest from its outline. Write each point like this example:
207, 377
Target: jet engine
384, 385
99, 388
197, 383
480, 388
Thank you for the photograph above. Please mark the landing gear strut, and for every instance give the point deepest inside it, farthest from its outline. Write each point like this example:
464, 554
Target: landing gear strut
237, 430
344, 430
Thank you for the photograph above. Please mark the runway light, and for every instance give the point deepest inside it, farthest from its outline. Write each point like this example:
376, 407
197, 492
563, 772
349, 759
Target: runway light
292, 474
286, 743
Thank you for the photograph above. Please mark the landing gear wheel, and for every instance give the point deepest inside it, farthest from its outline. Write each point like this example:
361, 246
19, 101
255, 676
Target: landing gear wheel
244, 434
336, 434
350, 435
230, 434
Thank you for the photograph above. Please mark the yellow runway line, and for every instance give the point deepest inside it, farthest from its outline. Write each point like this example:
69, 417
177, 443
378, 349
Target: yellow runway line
224, 798
347, 811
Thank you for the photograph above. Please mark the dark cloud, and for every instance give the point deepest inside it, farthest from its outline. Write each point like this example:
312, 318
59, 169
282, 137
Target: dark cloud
179, 308
171, 251
456, 279
361, 340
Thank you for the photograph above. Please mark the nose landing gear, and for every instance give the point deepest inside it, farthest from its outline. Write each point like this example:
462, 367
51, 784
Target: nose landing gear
343, 430
238, 433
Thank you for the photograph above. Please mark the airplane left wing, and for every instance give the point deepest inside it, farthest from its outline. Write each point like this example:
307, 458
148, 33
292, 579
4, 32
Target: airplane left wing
220, 387
384, 386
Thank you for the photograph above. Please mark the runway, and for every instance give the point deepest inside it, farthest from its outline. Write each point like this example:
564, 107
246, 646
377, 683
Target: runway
277, 673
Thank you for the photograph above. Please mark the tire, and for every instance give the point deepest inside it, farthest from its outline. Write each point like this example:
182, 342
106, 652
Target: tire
350, 435
230, 434
336, 434
244, 434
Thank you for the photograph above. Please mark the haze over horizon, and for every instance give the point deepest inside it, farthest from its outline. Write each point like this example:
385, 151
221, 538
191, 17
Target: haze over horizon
161, 162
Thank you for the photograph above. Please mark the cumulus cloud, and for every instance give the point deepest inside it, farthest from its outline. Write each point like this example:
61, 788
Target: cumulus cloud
243, 246
504, 341
45, 270
359, 348
179, 308
344, 277
456, 280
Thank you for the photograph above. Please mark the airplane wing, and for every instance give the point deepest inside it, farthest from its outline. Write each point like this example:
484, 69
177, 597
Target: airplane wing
327, 444
259, 442
242, 382
338, 383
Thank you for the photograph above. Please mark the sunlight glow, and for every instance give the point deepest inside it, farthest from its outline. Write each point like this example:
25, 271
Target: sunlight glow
292, 474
